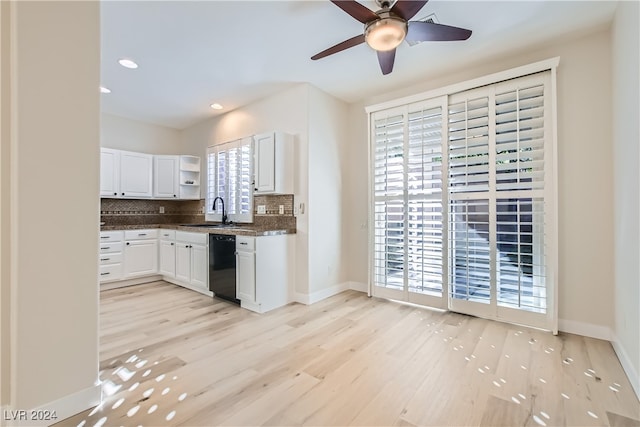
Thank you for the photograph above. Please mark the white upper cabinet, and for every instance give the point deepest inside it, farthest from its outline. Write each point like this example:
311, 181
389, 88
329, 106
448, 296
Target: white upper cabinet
109, 172
165, 177
136, 174
128, 174
273, 163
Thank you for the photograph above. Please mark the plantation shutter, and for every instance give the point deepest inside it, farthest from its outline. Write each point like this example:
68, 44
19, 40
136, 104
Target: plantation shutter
522, 127
389, 211
229, 176
463, 201
424, 204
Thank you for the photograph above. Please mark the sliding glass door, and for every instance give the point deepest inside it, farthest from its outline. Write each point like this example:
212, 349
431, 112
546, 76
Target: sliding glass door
408, 203
462, 202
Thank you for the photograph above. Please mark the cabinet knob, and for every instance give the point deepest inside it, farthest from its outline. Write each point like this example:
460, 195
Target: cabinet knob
172, 243
123, 194
255, 189
175, 195
128, 243
115, 194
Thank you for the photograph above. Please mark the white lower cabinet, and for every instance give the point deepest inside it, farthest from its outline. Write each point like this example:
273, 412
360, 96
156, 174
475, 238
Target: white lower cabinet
192, 261
180, 257
263, 276
167, 256
110, 256
245, 272
140, 253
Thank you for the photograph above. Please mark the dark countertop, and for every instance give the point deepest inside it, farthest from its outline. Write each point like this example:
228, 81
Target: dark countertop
238, 230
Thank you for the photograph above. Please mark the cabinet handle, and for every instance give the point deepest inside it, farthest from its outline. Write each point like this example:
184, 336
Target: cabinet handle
104, 237
107, 247
105, 259
142, 234
105, 274
243, 243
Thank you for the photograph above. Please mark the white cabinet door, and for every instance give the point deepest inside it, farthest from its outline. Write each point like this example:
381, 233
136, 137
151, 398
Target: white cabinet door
246, 276
165, 176
183, 262
168, 258
109, 172
264, 166
135, 174
140, 258
199, 266
273, 163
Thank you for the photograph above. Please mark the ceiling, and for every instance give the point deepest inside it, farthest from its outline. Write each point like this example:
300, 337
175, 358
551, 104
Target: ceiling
194, 53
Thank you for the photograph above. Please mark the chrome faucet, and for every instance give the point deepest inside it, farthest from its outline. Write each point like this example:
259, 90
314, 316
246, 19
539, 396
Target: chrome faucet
224, 215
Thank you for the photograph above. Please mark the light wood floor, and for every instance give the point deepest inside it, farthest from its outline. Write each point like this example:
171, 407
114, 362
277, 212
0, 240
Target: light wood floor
170, 356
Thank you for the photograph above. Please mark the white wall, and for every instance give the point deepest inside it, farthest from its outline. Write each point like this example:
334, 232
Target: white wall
286, 111
585, 174
5, 225
327, 165
125, 134
626, 148
53, 205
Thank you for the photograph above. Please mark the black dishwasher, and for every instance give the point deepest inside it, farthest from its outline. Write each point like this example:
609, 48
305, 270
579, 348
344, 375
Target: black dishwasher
222, 267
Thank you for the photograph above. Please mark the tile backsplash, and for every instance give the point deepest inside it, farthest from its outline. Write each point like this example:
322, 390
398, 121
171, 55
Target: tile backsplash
272, 219
142, 211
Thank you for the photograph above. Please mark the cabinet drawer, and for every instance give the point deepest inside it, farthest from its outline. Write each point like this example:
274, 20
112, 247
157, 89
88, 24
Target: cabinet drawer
167, 234
110, 272
111, 236
107, 248
110, 258
245, 243
141, 234
197, 238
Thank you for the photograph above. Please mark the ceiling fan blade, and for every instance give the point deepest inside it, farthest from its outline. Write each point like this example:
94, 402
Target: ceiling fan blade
386, 59
407, 9
353, 41
356, 10
428, 31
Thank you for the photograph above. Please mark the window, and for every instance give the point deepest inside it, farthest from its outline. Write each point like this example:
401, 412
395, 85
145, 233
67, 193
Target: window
230, 176
463, 193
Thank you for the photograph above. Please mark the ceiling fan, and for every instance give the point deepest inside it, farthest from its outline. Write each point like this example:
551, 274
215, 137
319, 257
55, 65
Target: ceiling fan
385, 29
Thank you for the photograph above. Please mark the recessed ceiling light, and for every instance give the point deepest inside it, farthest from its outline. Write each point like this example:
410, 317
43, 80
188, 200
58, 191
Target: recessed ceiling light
104, 90
216, 106
127, 63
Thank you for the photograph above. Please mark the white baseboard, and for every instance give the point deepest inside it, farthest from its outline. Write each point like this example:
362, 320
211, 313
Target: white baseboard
64, 407
129, 282
585, 329
309, 299
358, 286
627, 366
203, 291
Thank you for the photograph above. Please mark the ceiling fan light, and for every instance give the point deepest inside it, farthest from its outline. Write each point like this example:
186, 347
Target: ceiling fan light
386, 33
